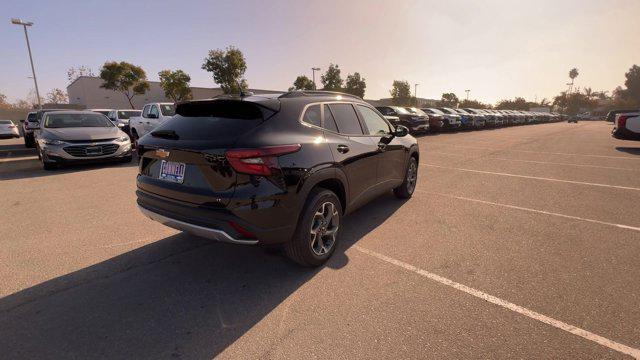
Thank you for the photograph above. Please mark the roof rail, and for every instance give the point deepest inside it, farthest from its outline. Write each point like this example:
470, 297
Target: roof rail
299, 93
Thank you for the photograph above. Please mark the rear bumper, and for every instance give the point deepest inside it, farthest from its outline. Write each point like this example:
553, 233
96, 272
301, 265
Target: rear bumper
205, 232
209, 222
624, 134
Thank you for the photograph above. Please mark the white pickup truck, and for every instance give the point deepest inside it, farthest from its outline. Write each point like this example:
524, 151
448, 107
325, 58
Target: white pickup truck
153, 115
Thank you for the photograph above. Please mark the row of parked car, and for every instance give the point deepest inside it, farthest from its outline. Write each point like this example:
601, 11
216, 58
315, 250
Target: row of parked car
444, 118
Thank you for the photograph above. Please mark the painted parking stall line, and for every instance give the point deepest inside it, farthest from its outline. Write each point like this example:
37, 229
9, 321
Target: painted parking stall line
565, 164
543, 152
611, 344
532, 177
621, 226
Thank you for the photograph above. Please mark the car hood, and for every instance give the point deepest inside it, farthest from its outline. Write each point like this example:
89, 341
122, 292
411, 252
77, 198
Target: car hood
85, 133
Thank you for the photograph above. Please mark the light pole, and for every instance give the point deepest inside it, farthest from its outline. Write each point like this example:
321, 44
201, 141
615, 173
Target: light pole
33, 70
314, 69
415, 91
467, 91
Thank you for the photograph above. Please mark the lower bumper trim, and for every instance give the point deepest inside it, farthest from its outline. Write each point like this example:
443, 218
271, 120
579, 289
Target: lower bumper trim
208, 233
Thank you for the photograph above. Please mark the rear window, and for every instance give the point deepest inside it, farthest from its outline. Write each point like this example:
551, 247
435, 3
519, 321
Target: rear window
126, 114
31, 117
167, 109
213, 120
6, 122
312, 115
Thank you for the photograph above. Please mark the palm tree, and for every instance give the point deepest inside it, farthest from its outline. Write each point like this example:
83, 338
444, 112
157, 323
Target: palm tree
573, 74
544, 102
588, 92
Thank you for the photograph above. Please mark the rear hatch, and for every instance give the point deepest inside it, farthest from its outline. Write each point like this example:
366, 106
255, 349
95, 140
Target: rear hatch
184, 158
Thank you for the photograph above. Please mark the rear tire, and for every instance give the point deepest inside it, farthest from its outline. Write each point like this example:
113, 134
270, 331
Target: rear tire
408, 186
134, 138
316, 236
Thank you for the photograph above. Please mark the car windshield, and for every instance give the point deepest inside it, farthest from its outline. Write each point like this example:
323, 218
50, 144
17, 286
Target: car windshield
401, 110
126, 114
416, 111
168, 109
31, 117
76, 120
435, 111
460, 111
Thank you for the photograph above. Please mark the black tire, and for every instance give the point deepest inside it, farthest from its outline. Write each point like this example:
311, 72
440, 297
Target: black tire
134, 138
306, 249
29, 142
408, 186
126, 159
49, 166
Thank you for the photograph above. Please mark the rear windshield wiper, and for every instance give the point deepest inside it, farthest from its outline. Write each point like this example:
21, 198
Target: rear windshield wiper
166, 134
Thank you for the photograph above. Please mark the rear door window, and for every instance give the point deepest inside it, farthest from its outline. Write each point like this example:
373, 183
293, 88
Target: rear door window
346, 119
329, 122
145, 111
154, 111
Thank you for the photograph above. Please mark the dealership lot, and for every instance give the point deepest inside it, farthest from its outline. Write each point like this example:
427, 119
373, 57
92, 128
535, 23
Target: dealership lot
519, 242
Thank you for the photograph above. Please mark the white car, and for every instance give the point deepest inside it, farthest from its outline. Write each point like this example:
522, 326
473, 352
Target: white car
627, 126
152, 116
8, 130
121, 117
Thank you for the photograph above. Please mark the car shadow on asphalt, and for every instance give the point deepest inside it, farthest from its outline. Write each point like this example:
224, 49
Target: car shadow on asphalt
32, 168
181, 296
629, 150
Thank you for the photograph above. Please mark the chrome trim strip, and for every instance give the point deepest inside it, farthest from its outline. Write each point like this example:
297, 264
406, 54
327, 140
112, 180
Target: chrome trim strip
201, 231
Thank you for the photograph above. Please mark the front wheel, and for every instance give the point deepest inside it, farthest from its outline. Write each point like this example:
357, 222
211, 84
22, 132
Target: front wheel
408, 186
316, 236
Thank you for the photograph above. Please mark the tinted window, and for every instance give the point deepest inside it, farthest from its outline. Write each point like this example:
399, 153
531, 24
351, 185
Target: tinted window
375, 124
168, 109
386, 111
76, 120
312, 115
220, 120
145, 111
31, 117
329, 121
346, 119
6, 122
154, 111
126, 114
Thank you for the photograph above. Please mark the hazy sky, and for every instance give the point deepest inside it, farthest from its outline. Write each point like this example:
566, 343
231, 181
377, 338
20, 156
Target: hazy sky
498, 49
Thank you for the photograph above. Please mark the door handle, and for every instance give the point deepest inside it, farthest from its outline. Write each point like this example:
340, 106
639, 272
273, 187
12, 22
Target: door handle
343, 149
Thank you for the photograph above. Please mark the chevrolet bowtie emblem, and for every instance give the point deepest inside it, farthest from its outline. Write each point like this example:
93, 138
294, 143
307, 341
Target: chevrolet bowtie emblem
162, 153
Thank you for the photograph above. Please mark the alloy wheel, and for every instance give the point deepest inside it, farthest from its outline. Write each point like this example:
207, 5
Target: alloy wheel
324, 228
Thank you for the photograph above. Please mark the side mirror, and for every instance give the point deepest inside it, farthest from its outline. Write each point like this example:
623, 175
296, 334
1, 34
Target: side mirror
401, 131
120, 126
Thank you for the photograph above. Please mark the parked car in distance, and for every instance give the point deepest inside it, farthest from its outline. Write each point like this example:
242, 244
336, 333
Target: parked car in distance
104, 112
436, 121
71, 136
28, 125
611, 115
480, 118
627, 126
469, 120
276, 169
121, 118
423, 114
413, 122
152, 116
8, 130
451, 121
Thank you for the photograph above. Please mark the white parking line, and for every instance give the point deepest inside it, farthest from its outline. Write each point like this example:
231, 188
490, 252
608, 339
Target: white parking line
534, 210
544, 152
534, 177
565, 164
506, 304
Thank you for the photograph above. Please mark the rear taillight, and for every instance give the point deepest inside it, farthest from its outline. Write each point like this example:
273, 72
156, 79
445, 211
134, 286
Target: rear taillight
258, 161
622, 121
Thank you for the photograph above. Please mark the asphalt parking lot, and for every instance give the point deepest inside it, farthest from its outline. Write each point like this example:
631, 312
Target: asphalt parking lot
521, 242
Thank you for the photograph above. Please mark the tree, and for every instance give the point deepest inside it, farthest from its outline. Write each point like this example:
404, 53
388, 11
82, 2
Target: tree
632, 83
125, 78
355, 85
588, 92
573, 74
473, 104
448, 100
175, 85
302, 83
57, 96
401, 93
331, 79
227, 67
518, 103
544, 102
3, 102
75, 72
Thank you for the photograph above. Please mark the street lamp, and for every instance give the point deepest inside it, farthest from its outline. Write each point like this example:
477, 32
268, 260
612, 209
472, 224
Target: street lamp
467, 91
314, 69
415, 92
33, 70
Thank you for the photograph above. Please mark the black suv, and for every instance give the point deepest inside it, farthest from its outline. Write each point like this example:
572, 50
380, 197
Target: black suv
273, 169
413, 121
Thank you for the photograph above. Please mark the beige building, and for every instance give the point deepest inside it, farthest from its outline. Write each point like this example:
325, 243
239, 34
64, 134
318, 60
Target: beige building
86, 92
